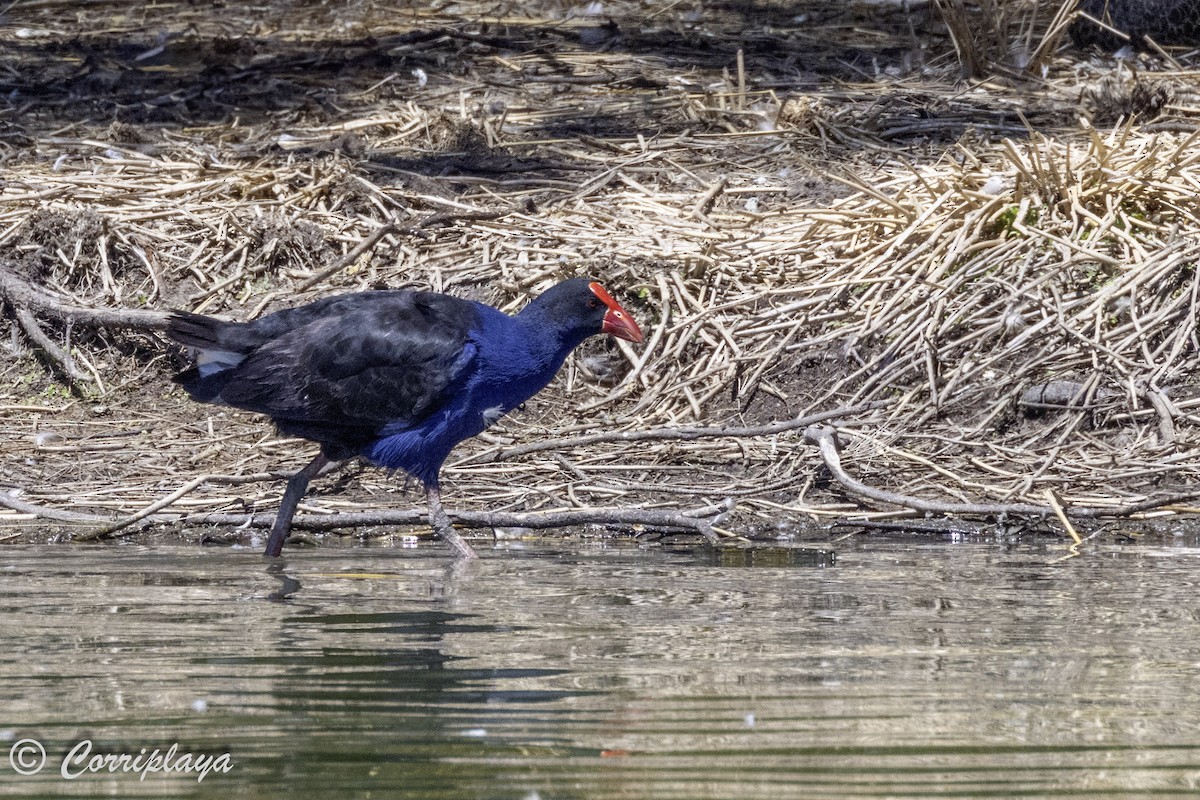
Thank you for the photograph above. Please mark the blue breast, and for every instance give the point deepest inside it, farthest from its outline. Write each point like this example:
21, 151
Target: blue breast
502, 366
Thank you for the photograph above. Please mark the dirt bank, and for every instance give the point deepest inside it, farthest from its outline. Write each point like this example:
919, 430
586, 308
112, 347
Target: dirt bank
807, 209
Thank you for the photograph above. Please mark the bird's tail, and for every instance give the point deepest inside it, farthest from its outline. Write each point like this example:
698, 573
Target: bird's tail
215, 358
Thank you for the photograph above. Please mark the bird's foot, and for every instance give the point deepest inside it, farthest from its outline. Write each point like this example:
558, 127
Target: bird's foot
460, 546
440, 523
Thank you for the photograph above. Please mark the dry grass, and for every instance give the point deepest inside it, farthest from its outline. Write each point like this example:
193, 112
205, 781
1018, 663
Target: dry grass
1006, 36
796, 230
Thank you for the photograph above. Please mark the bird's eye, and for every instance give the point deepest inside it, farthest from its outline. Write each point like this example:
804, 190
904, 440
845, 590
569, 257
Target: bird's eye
593, 303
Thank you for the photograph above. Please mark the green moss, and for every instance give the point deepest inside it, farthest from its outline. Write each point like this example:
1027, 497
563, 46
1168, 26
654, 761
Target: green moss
1006, 220
56, 391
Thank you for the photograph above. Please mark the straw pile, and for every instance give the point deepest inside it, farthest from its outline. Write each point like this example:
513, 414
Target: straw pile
806, 209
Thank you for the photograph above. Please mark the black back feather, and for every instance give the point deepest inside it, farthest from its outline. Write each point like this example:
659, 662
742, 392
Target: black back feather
337, 370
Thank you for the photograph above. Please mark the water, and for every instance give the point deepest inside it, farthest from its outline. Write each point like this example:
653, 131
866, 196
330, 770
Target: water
868, 669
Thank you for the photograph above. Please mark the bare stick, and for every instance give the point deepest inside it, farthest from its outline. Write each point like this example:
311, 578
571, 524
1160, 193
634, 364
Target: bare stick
22, 294
826, 440
694, 520
348, 259
441, 218
11, 500
706, 201
109, 530
686, 433
1162, 407
61, 358
1052, 499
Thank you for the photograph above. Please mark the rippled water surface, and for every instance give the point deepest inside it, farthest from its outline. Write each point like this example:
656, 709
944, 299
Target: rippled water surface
872, 668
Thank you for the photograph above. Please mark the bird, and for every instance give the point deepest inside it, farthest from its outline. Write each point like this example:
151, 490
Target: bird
397, 377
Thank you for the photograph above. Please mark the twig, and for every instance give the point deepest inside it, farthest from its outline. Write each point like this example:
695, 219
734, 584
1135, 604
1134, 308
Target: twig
1162, 501
1162, 407
61, 358
11, 500
108, 530
825, 438
114, 528
706, 201
348, 259
1052, 499
686, 433
940, 529
440, 218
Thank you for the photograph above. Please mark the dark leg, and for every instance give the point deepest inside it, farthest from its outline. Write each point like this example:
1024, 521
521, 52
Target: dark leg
296, 487
441, 524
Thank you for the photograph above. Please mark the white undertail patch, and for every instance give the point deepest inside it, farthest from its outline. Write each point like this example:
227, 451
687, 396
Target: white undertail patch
210, 362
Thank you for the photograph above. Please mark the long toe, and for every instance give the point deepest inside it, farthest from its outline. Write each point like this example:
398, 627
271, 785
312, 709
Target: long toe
457, 543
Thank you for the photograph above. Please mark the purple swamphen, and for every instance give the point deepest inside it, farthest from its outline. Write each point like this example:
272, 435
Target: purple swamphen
396, 377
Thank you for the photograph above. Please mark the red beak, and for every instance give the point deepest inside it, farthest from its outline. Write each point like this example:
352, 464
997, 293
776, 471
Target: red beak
617, 321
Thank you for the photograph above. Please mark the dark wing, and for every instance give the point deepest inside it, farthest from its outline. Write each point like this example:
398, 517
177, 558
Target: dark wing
210, 333
338, 376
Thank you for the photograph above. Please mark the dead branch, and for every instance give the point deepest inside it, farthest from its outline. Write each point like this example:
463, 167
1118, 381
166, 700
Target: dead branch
11, 500
695, 520
111, 529
57, 355
21, 294
698, 520
684, 433
825, 438
911, 526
